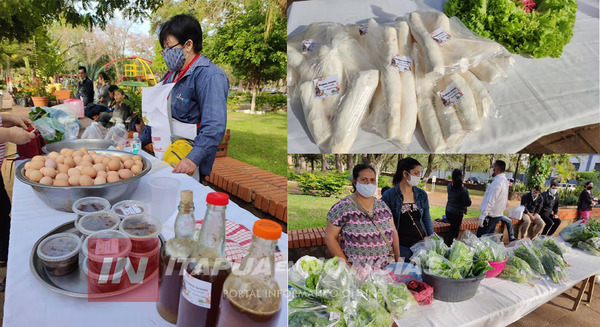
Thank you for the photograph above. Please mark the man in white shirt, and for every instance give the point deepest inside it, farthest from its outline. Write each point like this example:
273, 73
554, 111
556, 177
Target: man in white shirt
494, 200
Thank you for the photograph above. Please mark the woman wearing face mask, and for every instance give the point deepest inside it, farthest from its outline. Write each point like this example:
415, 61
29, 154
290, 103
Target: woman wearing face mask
409, 205
195, 91
586, 202
365, 224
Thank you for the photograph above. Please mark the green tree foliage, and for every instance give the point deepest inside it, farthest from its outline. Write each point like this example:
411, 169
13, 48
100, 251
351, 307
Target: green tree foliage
539, 169
20, 19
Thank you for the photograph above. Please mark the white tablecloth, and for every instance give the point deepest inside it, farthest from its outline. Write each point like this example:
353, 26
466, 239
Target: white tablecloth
540, 96
500, 302
28, 303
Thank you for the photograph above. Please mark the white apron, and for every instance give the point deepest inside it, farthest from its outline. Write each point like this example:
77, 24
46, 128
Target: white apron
156, 107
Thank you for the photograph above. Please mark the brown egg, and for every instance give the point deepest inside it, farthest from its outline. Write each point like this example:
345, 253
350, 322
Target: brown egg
114, 165
77, 159
74, 180
51, 163
62, 176
118, 147
38, 158
128, 163
53, 155
85, 163
136, 157
89, 171
71, 152
136, 169
37, 165
61, 182
78, 154
112, 173
99, 167
85, 180
112, 178
105, 161
27, 165
83, 150
69, 162
64, 151
99, 180
125, 157
73, 172
98, 159
125, 173
63, 169
60, 158
102, 173
139, 163
35, 175
93, 153
50, 172
87, 157
46, 180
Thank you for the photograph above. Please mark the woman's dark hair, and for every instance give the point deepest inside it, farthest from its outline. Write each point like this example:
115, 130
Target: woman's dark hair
356, 171
118, 90
183, 28
112, 88
406, 164
457, 178
587, 183
104, 76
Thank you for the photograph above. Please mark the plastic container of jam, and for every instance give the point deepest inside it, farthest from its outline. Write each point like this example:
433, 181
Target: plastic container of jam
97, 221
60, 253
152, 263
107, 244
110, 283
128, 208
90, 204
143, 231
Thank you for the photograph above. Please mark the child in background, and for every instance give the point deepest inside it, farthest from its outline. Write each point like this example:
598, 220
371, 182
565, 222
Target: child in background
121, 110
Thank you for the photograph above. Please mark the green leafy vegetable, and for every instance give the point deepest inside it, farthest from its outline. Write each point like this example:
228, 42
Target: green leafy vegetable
528, 255
517, 270
553, 246
588, 247
462, 257
312, 266
543, 32
480, 267
37, 113
554, 265
593, 225
311, 281
398, 300
308, 318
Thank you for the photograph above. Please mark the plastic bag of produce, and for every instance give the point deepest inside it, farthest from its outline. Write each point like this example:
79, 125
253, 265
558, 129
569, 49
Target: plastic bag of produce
319, 316
303, 268
593, 225
525, 250
335, 281
374, 286
462, 256
493, 249
362, 311
576, 232
517, 270
554, 265
479, 268
398, 299
551, 244
117, 133
92, 132
440, 266
436, 244
421, 291
592, 246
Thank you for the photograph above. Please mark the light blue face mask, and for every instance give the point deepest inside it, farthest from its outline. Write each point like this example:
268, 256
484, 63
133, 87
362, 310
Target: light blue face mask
366, 190
174, 58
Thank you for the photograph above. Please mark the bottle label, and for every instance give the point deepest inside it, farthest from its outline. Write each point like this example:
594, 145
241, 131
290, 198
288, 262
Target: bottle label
196, 291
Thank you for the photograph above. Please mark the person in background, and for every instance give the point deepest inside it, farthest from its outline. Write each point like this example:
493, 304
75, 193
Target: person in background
103, 97
365, 224
494, 200
458, 202
509, 227
549, 212
85, 88
409, 205
533, 205
383, 189
120, 111
12, 129
586, 202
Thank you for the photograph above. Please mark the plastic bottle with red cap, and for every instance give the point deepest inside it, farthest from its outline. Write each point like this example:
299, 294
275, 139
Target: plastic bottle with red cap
251, 296
204, 277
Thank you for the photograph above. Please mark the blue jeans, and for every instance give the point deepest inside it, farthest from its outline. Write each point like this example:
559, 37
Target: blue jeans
405, 253
488, 226
509, 226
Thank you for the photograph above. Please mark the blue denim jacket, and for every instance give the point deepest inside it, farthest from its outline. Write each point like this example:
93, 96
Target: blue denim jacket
394, 202
199, 97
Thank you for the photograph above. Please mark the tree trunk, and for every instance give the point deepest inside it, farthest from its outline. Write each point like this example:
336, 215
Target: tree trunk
297, 166
253, 105
491, 160
464, 166
241, 86
517, 169
302, 162
429, 166
312, 165
350, 161
323, 163
339, 166
376, 161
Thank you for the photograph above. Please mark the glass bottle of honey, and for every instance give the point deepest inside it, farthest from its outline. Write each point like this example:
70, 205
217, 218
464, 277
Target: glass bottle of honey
204, 277
251, 296
175, 255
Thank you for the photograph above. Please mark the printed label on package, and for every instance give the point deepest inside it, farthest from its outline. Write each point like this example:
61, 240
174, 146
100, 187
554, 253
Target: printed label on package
197, 291
402, 63
334, 316
308, 46
128, 211
327, 86
107, 246
451, 95
363, 29
441, 36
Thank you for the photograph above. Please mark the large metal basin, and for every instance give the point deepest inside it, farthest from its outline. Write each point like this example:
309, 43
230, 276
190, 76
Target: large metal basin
62, 197
90, 144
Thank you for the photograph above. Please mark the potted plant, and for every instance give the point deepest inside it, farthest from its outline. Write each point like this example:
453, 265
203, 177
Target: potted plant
39, 95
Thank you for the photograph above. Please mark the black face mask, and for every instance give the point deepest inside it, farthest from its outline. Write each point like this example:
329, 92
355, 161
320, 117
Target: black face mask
589, 187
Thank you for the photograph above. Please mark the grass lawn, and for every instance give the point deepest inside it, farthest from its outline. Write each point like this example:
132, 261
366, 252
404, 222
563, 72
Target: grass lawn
260, 140
307, 211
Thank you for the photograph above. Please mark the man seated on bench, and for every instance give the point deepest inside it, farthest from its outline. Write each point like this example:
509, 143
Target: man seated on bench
121, 110
532, 202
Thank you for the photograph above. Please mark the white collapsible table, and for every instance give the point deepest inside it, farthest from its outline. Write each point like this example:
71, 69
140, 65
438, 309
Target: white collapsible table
28, 303
539, 97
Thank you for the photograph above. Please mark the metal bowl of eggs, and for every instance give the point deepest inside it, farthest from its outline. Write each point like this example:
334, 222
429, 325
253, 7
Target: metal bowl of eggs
59, 179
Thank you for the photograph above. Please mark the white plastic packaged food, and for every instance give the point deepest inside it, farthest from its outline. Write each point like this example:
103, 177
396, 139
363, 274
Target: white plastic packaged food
92, 132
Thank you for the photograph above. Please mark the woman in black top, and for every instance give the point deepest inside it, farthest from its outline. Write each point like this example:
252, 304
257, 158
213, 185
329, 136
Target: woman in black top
458, 201
586, 202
